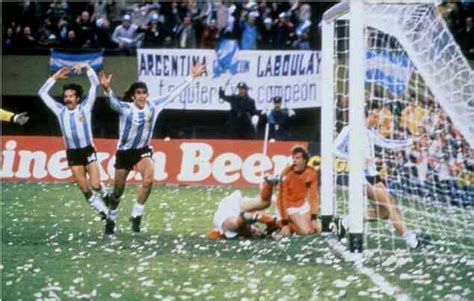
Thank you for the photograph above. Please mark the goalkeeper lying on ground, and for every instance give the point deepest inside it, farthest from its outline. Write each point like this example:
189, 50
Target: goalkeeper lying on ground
236, 215
299, 182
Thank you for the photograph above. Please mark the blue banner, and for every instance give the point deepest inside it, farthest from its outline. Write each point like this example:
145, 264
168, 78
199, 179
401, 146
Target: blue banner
226, 57
60, 59
391, 70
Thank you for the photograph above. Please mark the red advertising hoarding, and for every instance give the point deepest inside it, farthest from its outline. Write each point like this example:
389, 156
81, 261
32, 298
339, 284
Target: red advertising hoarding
182, 162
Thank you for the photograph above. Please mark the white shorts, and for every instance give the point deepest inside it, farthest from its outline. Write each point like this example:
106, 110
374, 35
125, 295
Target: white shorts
299, 210
229, 207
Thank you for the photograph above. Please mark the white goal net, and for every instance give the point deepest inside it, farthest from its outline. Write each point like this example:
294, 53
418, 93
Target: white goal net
419, 112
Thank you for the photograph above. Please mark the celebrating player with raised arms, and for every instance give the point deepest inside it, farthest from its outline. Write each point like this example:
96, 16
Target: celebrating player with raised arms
137, 120
74, 118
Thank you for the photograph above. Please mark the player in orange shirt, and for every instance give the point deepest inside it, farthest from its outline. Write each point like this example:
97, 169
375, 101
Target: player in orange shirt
298, 201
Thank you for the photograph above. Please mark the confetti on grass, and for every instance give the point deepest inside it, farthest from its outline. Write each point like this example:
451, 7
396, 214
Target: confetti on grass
173, 260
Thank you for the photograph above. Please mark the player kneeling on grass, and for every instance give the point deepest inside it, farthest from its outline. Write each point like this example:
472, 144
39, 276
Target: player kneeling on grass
298, 200
74, 118
137, 120
385, 205
236, 215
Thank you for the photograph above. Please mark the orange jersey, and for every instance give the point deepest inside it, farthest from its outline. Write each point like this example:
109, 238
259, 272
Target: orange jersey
295, 188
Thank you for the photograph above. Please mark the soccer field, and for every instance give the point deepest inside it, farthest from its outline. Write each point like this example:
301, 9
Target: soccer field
53, 247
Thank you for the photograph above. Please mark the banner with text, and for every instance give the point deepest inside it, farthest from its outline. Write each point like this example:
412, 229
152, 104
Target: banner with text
293, 75
183, 162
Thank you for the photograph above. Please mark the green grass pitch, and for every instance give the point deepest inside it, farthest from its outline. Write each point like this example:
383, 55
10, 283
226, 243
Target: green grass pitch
53, 248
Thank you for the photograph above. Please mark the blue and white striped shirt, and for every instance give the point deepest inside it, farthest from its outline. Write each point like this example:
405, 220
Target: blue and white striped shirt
372, 138
136, 125
75, 124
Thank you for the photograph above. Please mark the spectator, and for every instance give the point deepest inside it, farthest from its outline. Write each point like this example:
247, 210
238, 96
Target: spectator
27, 40
71, 41
302, 41
156, 34
284, 33
63, 28
45, 30
278, 119
385, 122
222, 15
126, 35
85, 30
230, 30
209, 35
48, 41
141, 12
467, 38
187, 34
243, 118
250, 32
9, 39
411, 116
103, 34
267, 33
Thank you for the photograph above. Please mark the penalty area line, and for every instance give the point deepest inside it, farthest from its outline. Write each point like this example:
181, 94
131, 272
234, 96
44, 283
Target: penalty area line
385, 286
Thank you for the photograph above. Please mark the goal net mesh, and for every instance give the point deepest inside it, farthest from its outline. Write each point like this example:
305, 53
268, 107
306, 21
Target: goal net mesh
422, 89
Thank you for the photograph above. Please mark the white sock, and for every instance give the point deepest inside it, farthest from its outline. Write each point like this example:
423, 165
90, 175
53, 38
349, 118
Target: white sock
410, 239
138, 210
97, 203
112, 215
103, 190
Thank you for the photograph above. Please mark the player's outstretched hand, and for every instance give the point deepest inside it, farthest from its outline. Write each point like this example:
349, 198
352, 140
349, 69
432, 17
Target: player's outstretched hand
61, 73
105, 81
77, 68
21, 118
198, 69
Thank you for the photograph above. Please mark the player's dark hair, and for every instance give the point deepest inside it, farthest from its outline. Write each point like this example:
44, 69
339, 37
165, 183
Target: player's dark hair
298, 149
133, 87
75, 87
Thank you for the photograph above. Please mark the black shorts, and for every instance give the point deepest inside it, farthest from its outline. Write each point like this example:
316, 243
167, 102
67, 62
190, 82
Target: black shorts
81, 156
373, 179
126, 159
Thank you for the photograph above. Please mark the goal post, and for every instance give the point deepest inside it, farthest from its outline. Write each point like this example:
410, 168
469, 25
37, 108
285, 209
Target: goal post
400, 58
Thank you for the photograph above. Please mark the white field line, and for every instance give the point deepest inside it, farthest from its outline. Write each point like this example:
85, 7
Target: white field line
375, 277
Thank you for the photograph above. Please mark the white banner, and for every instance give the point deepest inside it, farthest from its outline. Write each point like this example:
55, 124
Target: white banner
293, 75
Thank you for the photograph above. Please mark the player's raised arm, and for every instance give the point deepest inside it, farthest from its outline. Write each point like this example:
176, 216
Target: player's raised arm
94, 81
197, 70
44, 90
106, 83
381, 141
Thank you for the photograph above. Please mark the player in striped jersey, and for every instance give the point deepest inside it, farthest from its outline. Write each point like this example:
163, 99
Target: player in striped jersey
74, 118
385, 205
137, 120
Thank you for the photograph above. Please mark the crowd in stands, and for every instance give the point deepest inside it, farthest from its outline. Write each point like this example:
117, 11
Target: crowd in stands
459, 18
120, 24
439, 165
